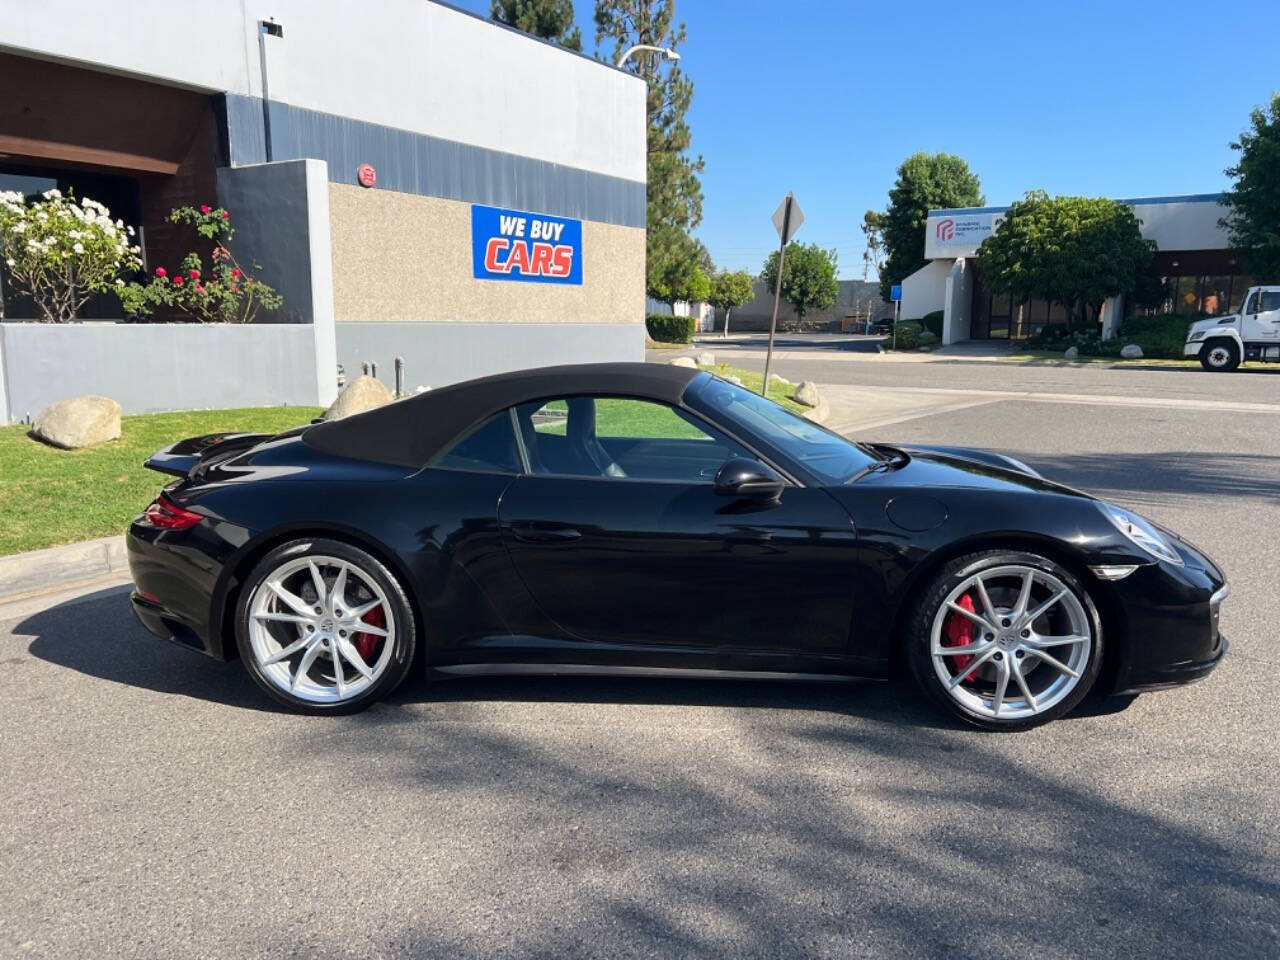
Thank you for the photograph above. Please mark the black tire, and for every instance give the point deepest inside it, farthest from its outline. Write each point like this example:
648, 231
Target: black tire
928, 602
400, 658
1220, 355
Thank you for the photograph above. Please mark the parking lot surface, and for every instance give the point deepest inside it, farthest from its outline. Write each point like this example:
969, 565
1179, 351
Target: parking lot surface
156, 805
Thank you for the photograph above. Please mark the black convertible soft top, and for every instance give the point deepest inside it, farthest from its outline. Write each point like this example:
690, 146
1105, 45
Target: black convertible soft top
410, 432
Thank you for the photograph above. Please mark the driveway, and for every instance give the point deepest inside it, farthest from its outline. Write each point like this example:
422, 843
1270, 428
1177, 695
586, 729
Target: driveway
157, 806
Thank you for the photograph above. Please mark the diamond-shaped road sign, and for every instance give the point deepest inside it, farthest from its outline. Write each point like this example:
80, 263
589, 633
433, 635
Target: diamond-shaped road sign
797, 218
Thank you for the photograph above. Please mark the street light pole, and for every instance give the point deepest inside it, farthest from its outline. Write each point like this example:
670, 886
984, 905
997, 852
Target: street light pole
667, 53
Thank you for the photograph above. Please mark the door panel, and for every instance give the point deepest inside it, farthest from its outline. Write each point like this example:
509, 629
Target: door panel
1265, 323
627, 561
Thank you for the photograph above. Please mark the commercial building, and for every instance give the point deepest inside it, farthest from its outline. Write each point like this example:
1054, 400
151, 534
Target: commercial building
415, 180
1200, 273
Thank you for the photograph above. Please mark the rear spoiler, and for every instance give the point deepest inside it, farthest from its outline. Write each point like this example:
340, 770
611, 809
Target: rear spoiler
181, 458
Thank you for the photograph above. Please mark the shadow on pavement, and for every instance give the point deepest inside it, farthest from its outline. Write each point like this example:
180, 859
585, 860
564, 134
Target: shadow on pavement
96, 635
1143, 477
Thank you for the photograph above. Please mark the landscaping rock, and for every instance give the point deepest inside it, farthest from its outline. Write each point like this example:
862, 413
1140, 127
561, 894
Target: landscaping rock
807, 393
706, 359
1070, 353
684, 362
79, 422
1131, 351
732, 379
362, 393
778, 378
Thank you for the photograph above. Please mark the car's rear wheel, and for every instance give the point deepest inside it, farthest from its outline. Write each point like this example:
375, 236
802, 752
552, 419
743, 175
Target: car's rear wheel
324, 627
1221, 355
1005, 640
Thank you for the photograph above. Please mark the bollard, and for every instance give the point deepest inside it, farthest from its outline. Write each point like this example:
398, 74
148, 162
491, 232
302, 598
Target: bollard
399, 377
373, 369
364, 367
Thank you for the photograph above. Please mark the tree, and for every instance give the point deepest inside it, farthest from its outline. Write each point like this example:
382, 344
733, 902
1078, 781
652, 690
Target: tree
1253, 202
674, 263
808, 279
729, 290
674, 191
873, 254
549, 19
1076, 251
926, 181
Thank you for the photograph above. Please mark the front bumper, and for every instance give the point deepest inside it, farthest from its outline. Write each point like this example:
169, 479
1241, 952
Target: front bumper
1171, 618
1192, 349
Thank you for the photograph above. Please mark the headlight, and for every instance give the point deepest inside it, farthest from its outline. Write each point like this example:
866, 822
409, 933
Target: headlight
1197, 335
1141, 532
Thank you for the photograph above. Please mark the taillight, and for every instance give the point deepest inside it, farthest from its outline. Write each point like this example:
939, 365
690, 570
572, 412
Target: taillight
167, 515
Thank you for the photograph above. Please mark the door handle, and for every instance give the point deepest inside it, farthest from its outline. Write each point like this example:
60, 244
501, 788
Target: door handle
544, 532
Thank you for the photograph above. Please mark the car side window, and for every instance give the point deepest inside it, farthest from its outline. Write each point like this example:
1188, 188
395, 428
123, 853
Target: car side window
1270, 301
487, 448
1251, 305
621, 438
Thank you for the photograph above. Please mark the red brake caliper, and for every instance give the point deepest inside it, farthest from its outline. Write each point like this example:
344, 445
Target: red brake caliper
367, 643
958, 632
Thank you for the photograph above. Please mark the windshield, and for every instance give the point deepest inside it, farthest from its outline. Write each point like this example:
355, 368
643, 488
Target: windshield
829, 455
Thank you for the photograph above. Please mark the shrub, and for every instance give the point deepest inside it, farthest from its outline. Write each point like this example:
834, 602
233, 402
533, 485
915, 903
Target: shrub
666, 328
932, 322
62, 252
223, 293
908, 335
1158, 336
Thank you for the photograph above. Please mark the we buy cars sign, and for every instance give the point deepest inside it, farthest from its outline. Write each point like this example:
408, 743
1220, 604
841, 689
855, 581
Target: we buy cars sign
529, 247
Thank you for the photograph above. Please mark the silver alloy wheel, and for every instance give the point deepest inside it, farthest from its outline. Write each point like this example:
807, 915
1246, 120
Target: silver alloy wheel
1016, 671
304, 621
1219, 357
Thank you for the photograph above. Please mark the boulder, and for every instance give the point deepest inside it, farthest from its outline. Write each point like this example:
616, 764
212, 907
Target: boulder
732, 379
778, 378
684, 362
706, 359
79, 422
1070, 353
1131, 351
807, 393
362, 393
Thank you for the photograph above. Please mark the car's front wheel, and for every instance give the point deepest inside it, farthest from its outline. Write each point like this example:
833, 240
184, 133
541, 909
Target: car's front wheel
324, 627
1221, 355
1005, 640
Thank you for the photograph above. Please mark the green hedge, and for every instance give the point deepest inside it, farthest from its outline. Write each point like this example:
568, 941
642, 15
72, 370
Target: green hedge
933, 323
908, 335
1161, 336
665, 328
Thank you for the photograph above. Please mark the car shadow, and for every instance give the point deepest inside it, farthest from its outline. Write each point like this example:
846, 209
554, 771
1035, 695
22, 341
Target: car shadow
118, 650
1164, 476
96, 635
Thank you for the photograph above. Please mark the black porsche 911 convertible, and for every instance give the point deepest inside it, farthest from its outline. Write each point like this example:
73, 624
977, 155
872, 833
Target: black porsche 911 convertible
655, 519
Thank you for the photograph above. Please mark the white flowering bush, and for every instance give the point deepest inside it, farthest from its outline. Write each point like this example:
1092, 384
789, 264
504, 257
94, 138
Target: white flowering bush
62, 251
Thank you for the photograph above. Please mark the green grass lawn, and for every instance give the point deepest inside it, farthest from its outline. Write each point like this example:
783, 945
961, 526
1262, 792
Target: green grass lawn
783, 394
50, 496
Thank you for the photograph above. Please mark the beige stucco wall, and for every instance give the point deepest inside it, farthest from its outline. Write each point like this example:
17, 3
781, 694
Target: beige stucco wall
402, 257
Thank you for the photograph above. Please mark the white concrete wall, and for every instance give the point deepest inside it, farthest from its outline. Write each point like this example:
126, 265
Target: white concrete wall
1183, 226
925, 290
957, 319
409, 64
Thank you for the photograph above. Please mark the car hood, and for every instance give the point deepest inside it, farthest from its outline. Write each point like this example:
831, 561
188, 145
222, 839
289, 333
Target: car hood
1208, 324
965, 467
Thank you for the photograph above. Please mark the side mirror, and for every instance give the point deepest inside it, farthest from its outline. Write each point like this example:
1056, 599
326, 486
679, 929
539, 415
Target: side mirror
751, 479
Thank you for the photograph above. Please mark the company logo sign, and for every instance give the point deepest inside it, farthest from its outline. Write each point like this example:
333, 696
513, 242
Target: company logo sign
366, 176
522, 246
958, 235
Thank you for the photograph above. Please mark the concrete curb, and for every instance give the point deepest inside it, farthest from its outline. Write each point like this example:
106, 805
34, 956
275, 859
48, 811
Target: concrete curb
26, 574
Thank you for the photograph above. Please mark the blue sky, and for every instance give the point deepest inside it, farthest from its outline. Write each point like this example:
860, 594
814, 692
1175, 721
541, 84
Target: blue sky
825, 98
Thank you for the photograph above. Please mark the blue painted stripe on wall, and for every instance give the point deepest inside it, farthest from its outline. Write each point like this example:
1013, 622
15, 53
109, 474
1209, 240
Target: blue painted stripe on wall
430, 166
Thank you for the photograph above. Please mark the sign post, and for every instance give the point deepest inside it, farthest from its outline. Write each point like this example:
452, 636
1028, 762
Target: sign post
786, 220
895, 294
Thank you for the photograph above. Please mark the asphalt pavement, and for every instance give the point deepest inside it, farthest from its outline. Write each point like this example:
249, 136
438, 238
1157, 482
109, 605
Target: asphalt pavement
156, 805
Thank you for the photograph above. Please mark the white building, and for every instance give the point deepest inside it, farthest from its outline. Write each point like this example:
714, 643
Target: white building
1200, 272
